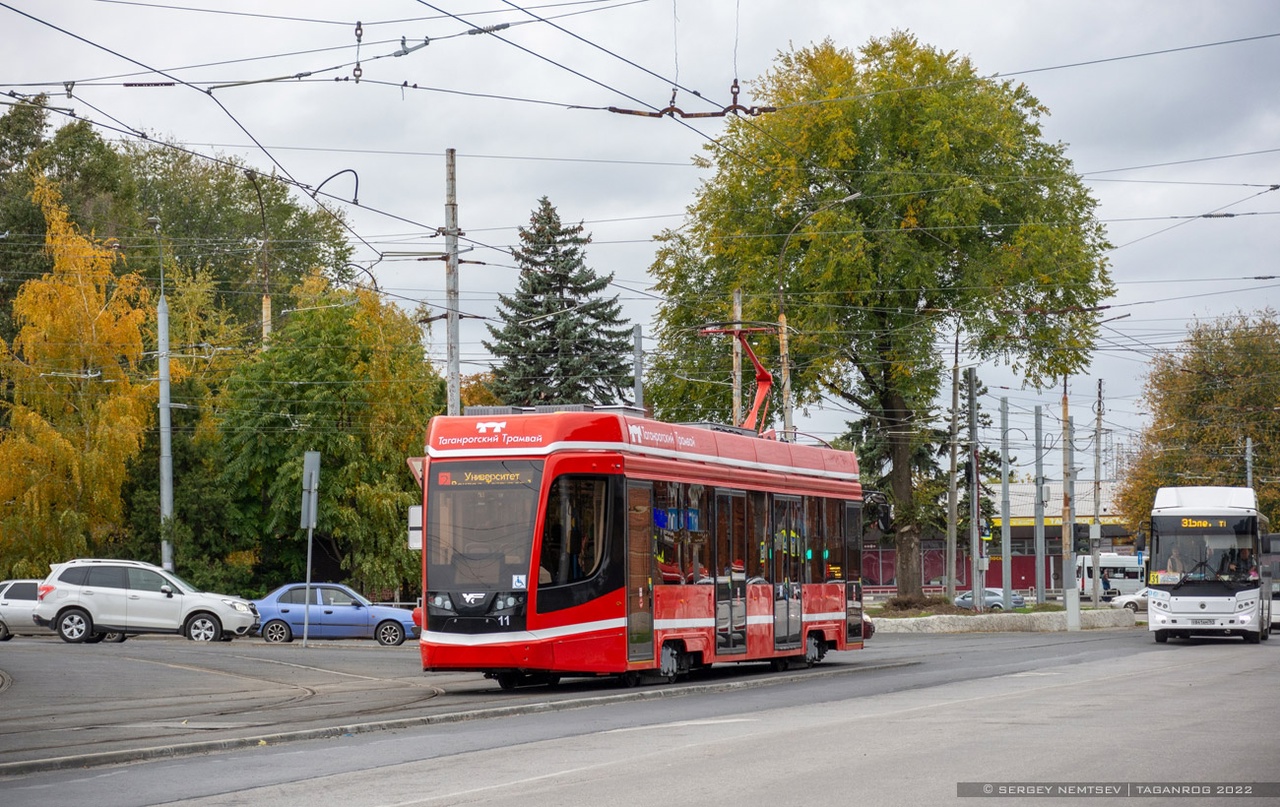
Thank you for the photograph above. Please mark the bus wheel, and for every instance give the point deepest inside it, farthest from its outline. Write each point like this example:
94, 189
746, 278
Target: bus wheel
814, 650
1252, 637
1162, 636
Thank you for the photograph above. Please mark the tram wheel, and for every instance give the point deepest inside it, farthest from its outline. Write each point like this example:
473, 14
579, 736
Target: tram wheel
670, 668
814, 650
628, 679
508, 681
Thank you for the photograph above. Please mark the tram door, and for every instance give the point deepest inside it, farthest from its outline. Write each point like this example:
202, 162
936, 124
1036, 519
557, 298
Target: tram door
731, 572
639, 571
788, 568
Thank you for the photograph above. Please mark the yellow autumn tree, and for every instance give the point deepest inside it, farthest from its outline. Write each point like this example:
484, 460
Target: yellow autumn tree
75, 415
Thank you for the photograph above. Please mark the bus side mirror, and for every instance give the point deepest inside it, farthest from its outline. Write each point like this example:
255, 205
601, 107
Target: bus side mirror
1140, 540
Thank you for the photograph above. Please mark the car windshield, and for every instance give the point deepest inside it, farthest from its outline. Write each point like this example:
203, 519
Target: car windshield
183, 586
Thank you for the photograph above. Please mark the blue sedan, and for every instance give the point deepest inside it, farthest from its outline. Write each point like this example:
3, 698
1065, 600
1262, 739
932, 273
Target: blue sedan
335, 612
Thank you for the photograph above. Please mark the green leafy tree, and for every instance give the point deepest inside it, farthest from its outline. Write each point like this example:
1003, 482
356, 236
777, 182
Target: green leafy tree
560, 342
94, 187
76, 415
1207, 397
895, 193
345, 375
244, 228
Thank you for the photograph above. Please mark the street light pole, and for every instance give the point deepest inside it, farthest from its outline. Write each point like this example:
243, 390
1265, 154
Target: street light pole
784, 357
166, 431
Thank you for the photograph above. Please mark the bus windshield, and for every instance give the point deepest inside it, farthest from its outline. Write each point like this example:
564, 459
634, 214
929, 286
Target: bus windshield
1191, 549
479, 524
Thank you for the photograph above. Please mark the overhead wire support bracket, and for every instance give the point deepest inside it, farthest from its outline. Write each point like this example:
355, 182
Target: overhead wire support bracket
671, 110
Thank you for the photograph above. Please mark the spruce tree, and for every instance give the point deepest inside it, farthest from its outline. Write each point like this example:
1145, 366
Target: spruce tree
560, 342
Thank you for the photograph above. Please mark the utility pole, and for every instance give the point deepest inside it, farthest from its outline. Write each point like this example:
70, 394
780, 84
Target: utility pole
953, 493
166, 429
639, 366
1070, 594
737, 360
454, 382
978, 578
1042, 498
1006, 567
1095, 529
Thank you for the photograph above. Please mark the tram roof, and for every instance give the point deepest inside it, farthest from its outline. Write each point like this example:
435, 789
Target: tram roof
524, 433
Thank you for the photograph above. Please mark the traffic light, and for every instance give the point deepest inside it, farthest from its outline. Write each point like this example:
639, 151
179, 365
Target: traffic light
1080, 539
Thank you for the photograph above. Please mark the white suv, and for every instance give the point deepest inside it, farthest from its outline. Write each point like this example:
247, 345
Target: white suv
84, 600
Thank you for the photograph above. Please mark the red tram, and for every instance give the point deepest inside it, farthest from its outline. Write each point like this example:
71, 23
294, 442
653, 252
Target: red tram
600, 542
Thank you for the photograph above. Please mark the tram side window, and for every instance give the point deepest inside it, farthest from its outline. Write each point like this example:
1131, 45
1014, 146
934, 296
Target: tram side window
788, 543
574, 535
832, 541
666, 523
759, 556
853, 542
813, 540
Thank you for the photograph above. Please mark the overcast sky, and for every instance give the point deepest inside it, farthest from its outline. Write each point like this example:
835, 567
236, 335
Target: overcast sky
1168, 109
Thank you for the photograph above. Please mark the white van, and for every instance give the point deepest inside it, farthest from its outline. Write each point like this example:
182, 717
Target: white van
1123, 574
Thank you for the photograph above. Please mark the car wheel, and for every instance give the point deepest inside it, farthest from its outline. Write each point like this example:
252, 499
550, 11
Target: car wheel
5, 635
390, 634
75, 626
277, 631
95, 638
995, 606
203, 628
1132, 606
115, 637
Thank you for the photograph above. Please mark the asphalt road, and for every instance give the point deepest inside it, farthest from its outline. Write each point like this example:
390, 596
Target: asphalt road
902, 722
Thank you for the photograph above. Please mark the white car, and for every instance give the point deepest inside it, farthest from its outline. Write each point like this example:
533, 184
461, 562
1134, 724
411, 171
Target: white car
17, 601
1137, 601
86, 600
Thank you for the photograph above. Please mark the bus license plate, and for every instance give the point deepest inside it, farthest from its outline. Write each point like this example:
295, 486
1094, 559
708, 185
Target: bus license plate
1202, 622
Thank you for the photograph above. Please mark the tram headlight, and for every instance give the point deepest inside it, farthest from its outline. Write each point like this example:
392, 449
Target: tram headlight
440, 602
505, 603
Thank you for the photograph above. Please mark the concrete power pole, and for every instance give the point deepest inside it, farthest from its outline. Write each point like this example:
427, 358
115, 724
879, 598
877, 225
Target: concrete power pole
953, 494
1041, 499
1070, 594
166, 429
978, 578
454, 383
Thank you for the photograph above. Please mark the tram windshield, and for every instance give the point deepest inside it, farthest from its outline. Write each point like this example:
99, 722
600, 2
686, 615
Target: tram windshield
1193, 549
479, 524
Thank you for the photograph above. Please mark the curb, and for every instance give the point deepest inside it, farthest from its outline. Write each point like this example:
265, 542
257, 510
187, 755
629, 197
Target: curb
995, 623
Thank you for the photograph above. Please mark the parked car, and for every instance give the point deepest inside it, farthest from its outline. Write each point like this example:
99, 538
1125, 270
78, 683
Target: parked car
1135, 602
335, 612
994, 600
17, 604
868, 628
89, 600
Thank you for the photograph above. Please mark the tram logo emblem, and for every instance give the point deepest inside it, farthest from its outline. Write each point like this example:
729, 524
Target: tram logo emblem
637, 433
495, 426
472, 599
